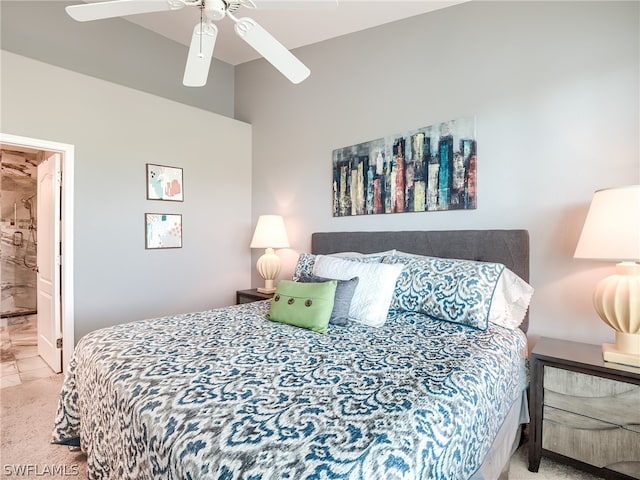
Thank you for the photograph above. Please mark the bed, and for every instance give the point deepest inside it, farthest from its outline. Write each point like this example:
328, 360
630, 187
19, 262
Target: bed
228, 394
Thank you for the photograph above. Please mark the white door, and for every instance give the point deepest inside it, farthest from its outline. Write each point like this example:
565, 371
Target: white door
48, 254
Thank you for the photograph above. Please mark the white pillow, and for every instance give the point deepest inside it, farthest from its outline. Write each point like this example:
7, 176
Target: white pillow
510, 300
376, 284
362, 255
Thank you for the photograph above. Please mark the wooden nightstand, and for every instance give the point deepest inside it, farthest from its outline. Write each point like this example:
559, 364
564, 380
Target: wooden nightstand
251, 295
584, 412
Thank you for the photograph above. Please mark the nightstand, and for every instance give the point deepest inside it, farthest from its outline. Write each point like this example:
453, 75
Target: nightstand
584, 411
251, 295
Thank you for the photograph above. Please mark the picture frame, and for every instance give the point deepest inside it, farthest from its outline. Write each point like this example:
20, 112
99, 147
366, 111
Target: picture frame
163, 230
164, 183
433, 168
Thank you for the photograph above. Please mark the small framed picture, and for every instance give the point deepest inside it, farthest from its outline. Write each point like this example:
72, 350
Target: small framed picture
163, 230
164, 183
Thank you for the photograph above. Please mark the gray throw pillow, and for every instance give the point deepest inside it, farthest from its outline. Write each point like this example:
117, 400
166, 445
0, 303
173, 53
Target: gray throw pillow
342, 300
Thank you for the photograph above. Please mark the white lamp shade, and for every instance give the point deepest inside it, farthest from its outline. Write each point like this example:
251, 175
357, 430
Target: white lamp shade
270, 233
612, 228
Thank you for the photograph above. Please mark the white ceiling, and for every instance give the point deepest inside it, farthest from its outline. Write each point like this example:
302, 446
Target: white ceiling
293, 25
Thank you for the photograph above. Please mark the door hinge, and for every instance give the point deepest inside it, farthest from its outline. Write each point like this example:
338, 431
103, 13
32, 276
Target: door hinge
59, 178
59, 343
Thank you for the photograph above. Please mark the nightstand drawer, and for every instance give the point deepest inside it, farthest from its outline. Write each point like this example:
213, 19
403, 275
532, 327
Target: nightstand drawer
603, 399
598, 443
579, 384
584, 411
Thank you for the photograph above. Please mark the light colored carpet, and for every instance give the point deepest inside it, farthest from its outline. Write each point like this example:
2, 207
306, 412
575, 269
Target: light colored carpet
28, 412
549, 470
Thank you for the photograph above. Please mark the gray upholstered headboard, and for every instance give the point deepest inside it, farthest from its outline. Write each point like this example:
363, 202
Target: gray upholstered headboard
509, 247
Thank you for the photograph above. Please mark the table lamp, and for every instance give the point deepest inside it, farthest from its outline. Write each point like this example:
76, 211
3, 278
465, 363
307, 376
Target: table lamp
269, 234
611, 232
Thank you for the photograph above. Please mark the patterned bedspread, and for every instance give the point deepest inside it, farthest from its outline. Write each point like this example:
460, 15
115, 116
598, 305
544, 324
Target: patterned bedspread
226, 394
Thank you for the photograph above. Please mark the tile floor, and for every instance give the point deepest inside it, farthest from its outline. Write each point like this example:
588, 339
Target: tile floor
19, 353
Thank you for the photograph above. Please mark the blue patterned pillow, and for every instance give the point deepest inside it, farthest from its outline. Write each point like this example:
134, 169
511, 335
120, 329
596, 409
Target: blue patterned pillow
304, 267
459, 291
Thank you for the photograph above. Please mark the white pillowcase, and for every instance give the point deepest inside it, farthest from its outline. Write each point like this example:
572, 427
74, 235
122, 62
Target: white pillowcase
510, 300
363, 255
377, 281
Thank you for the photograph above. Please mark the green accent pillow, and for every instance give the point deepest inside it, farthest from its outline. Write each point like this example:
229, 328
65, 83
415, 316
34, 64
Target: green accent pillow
306, 305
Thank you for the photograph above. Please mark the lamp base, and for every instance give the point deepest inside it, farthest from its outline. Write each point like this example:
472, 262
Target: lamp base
266, 290
268, 267
617, 301
626, 350
611, 354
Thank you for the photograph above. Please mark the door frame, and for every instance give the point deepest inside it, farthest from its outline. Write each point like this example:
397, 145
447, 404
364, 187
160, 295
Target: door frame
66, 233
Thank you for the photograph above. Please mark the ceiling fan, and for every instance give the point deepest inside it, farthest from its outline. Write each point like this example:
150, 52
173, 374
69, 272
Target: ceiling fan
204, 33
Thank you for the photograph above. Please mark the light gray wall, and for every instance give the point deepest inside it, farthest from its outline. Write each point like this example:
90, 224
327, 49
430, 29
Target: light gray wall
113, 49
554, 88
117, 130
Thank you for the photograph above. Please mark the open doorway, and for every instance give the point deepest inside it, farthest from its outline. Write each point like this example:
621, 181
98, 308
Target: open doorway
18, 203
43, 307
18, 266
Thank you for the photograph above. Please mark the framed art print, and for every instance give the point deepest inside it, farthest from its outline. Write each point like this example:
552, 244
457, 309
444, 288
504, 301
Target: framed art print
163, 230
432, 168
164, 183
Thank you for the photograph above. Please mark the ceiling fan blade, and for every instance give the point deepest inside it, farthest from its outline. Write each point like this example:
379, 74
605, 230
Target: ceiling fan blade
272, 50
119, 8
200, 53
294, 4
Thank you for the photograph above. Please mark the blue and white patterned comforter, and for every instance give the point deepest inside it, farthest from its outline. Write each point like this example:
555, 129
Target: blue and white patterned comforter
226, 394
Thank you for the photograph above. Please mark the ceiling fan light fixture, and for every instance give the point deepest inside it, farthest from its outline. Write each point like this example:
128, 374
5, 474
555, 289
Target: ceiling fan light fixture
205, 32
214, 9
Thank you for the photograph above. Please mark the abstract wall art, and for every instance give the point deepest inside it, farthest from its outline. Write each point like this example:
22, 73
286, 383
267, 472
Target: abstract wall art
163, 230
428, 169
164, 183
